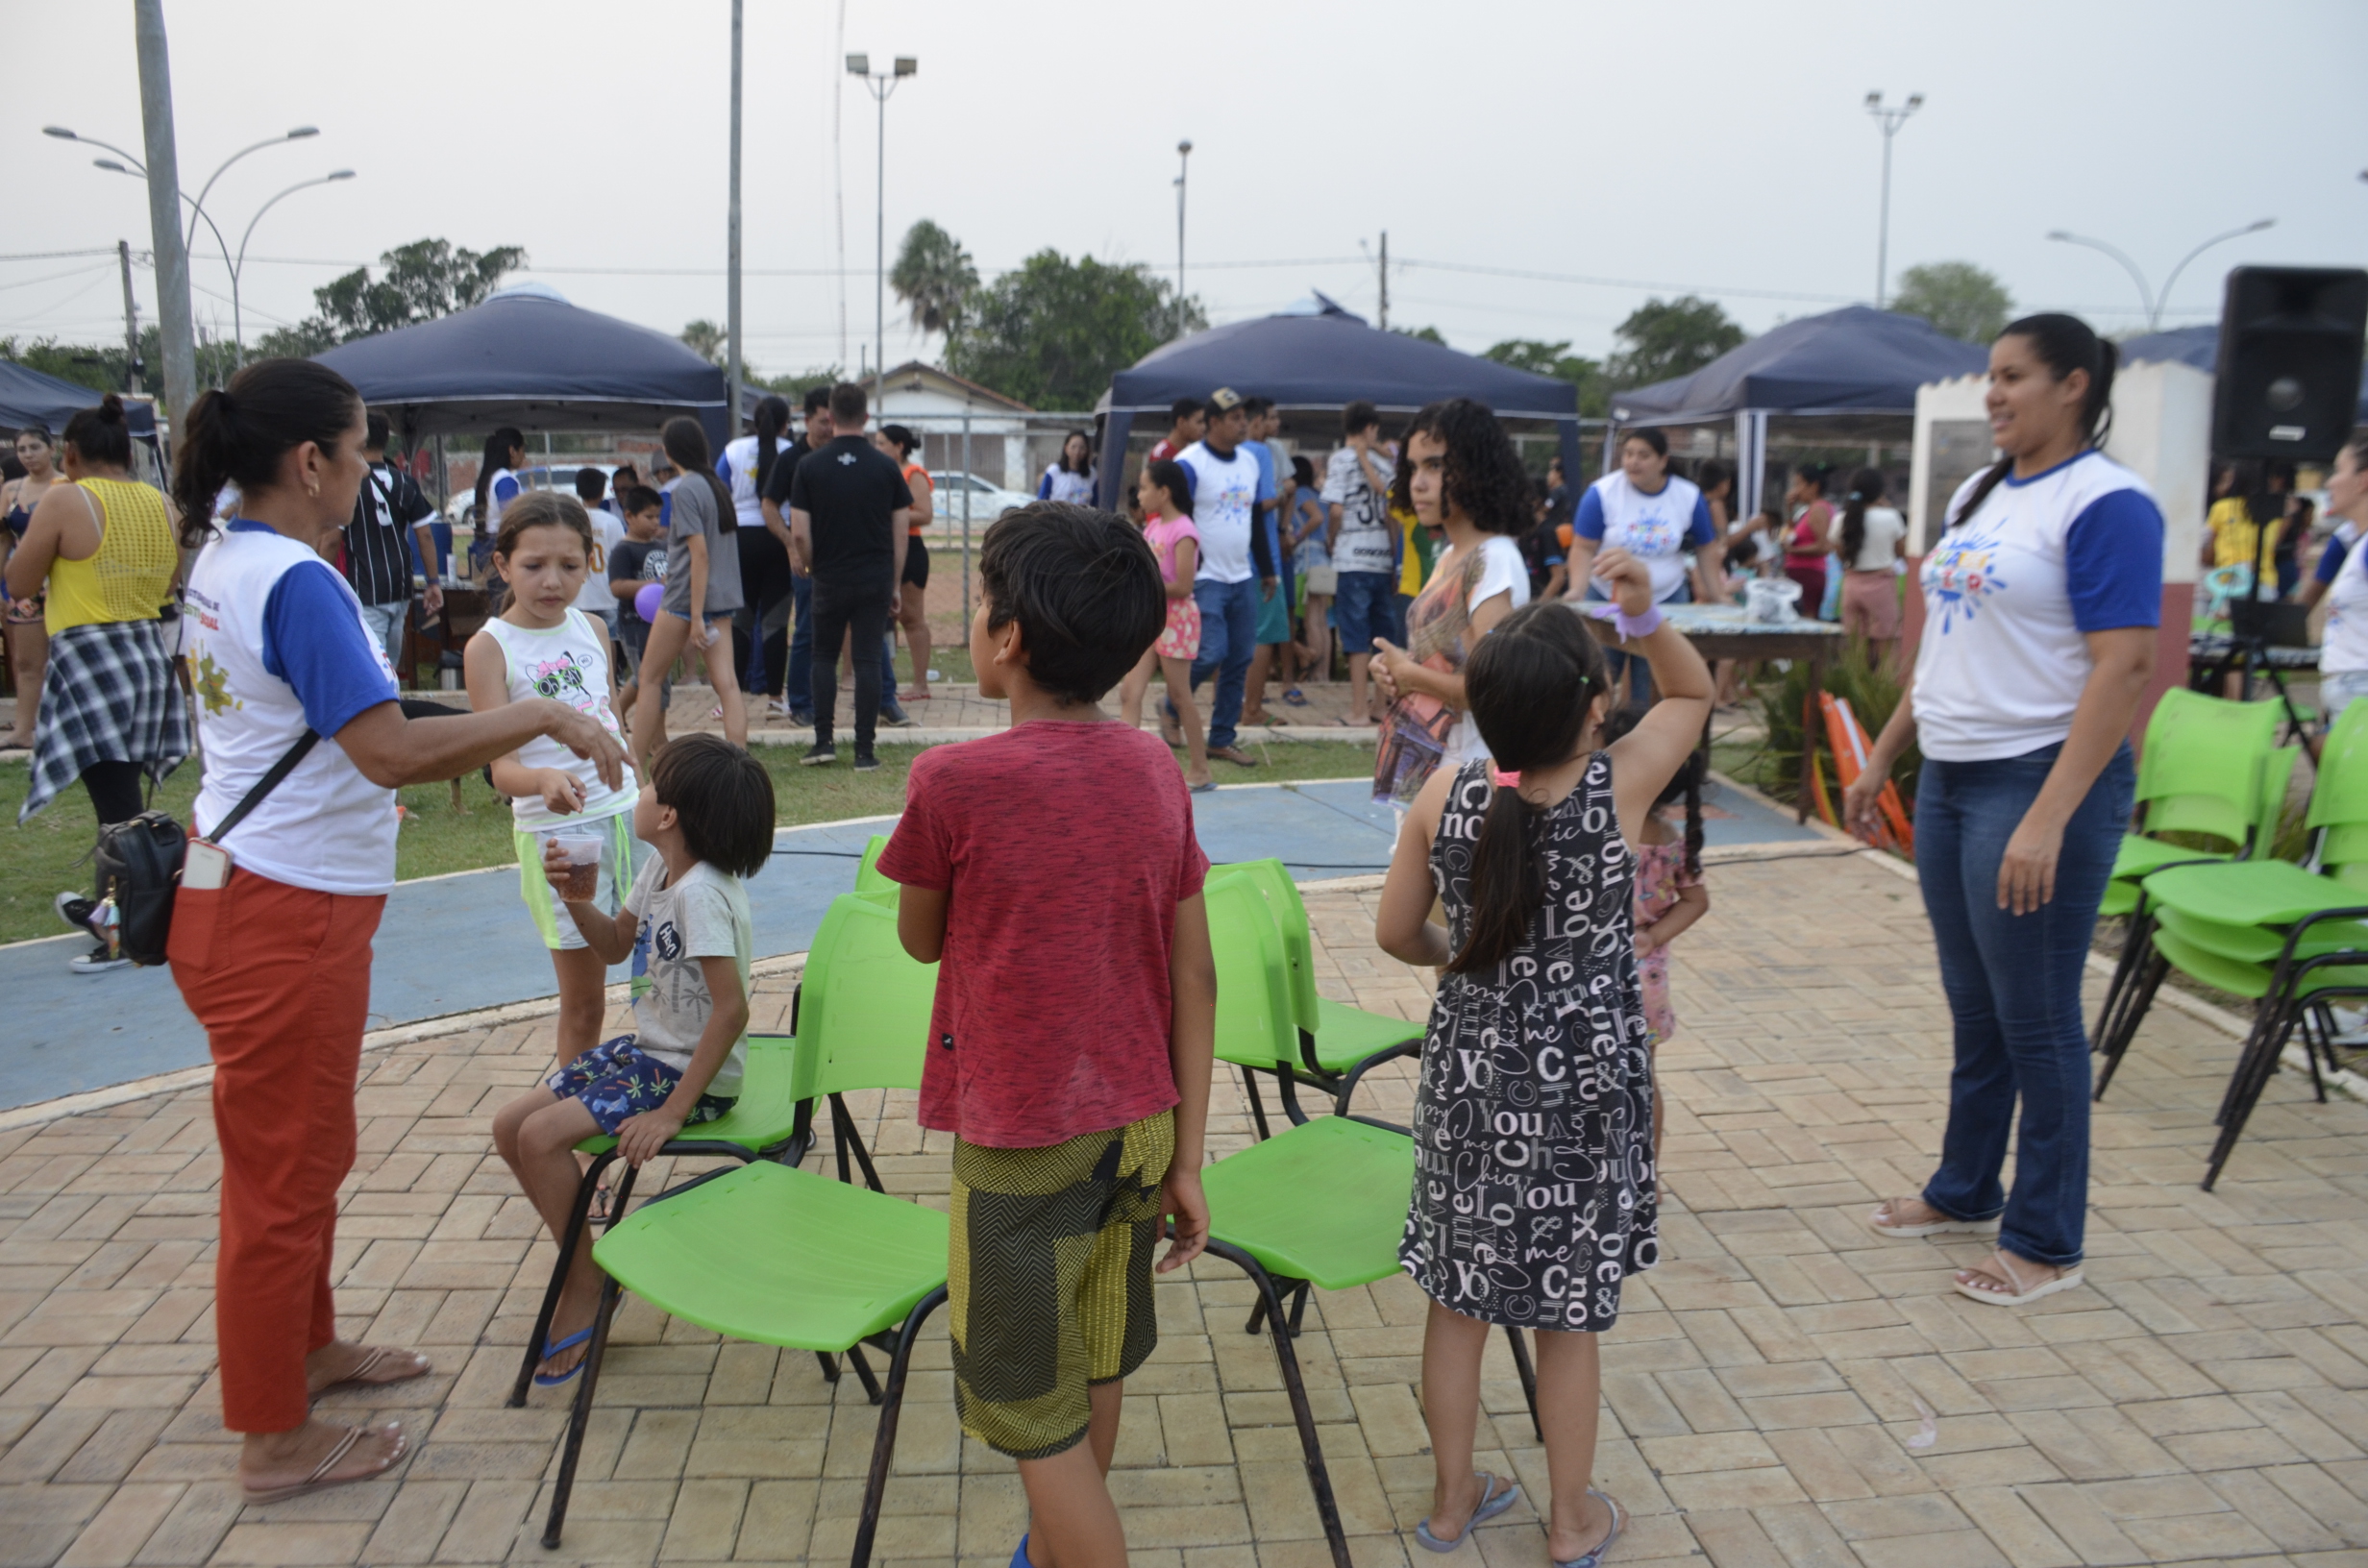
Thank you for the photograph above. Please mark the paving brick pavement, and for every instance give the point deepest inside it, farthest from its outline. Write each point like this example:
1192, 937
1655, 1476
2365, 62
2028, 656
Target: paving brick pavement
2206, 1399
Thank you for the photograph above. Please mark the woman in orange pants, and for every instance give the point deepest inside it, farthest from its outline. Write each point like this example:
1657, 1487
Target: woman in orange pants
271, 928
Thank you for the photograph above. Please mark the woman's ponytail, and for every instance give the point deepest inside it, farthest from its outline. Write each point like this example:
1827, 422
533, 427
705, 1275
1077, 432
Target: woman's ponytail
238, 434
202, 463
2063, 344
1865, 489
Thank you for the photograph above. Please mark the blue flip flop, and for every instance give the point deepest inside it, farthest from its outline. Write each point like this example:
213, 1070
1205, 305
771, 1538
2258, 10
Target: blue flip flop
1018, 1558
1492, 1504
1603, 1547
547, 1381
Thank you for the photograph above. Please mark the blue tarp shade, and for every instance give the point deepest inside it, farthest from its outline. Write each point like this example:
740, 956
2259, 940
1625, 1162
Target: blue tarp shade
2200, 347
1856, 360
27, 396
526, 357
1326, 359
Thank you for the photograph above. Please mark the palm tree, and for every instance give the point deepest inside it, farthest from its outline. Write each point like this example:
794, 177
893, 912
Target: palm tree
705, 339
933, 276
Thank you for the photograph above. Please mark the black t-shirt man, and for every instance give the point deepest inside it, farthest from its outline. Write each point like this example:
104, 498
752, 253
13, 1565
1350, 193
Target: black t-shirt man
851, 491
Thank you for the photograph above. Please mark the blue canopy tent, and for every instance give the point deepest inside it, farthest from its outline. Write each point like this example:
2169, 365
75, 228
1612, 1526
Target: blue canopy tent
1319, 358
526, 357
1855, 361
27, 396
2200, 347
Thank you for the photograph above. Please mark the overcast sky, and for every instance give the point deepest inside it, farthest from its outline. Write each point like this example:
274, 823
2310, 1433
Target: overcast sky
1718, 147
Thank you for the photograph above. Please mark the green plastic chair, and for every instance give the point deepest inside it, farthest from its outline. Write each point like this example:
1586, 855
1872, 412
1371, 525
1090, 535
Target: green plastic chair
763, 1122
868, 878
2200, 773
775, 1255
1254, 1010
2289, 937
1338, 1044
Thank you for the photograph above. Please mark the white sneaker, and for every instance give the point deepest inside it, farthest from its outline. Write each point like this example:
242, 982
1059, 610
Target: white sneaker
75, 909
98, 960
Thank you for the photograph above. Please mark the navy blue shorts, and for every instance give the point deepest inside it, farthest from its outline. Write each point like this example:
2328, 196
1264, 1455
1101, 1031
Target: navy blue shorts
617, 1080
1366, 608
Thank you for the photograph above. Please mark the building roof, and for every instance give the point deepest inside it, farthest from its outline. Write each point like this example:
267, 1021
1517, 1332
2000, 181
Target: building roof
914, 376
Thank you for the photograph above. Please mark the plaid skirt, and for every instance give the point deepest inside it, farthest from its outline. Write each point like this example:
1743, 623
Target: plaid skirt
108, 697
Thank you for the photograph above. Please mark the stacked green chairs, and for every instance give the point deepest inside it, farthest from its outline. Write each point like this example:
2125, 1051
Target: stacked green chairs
1323, 1203
2200, 773
2291, 937
775, 1254
762, 1124
1338, 1044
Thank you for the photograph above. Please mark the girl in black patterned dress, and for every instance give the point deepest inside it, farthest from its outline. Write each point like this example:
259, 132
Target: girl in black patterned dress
1533, 1123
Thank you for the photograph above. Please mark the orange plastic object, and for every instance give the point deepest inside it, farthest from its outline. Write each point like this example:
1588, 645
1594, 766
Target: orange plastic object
1850, 747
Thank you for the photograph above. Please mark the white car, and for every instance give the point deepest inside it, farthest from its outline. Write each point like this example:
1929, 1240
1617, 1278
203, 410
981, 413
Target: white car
988, 501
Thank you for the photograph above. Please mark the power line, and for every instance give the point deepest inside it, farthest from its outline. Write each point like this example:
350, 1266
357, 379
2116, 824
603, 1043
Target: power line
51, 255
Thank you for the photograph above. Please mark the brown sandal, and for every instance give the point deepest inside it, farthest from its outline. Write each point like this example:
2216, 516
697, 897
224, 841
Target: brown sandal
321, 1478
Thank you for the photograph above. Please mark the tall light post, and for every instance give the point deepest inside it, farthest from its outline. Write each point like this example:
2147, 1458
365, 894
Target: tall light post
2149, 300
881, 85
1183, 167
1888, 121
238, 345
197, 204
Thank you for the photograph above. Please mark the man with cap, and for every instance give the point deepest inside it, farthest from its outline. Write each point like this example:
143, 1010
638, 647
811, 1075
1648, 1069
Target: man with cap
1237, 569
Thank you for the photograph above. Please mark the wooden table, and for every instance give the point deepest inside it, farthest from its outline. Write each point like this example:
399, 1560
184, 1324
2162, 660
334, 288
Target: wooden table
1721, 631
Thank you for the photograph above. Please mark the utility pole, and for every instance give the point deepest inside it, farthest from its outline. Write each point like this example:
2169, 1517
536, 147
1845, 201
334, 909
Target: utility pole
731, 301
1888, 120
1385, 279
155, 110
131, 321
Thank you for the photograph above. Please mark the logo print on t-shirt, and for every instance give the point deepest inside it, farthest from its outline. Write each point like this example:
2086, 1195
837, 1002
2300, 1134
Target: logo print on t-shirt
668, 943
846, 459
1963, 572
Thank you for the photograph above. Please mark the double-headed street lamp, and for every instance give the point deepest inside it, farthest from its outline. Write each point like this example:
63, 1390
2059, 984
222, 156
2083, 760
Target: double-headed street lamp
132, 166
1888, 120
881, 85
1183, 167
2151, 301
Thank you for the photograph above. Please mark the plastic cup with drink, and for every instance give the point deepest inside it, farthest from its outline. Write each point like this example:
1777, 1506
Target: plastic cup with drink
582, 850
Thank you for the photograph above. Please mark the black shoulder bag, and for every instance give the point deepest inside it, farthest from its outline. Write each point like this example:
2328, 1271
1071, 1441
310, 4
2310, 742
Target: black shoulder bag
139, 863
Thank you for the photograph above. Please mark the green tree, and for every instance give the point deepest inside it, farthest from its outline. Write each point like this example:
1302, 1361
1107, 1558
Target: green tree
1662, 338
1556, 359
418, 282
1425, 335
1962, 300
705, 339
101, 367
1052, 332
933, 276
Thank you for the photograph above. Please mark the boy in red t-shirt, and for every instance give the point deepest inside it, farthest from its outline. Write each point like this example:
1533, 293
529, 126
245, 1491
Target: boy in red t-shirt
1053, 871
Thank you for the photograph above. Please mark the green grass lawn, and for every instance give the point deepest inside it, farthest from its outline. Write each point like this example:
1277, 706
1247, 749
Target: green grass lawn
51, 851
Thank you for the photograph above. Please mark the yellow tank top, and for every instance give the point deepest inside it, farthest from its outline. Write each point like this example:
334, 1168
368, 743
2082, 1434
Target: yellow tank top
131, 571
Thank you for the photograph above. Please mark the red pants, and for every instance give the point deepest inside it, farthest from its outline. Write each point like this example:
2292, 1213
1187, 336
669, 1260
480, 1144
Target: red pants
279, 976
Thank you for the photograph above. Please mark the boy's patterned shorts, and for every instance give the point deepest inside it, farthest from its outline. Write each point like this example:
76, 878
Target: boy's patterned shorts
1049, 1289
616, 1081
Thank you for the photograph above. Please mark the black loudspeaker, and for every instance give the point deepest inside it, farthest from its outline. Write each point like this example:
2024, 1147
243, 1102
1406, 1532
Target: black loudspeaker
2287, 383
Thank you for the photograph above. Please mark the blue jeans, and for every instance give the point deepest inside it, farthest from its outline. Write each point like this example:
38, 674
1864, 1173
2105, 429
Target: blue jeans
797, 688
2014, 985
1228, 637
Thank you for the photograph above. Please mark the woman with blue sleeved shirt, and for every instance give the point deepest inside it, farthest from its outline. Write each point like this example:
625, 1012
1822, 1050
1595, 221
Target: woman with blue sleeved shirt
2041, 599
1658, 516
270, 942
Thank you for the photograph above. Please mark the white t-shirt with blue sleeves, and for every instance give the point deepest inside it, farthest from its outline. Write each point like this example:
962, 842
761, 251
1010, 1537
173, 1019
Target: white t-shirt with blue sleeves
1656, 529
2013, 591
275, 645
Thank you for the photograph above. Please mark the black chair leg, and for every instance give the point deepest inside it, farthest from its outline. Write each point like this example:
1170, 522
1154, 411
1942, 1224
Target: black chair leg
581, 1418
2117, 1044
849, 1139
586, 1185
1529, 1377
2315, 1028
884, 1441
830, 1366
2253, 1075
1319, 1477
1257, 1102
863, 1373
2134, 947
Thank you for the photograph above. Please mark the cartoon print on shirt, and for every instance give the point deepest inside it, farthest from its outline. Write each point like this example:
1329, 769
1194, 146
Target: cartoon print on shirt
560, 678
1962, 571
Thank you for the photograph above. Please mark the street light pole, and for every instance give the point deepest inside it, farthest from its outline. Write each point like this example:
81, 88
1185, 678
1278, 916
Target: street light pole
2149, 300
1183, 167
732, 288
240, 267
880, 87
1888, 120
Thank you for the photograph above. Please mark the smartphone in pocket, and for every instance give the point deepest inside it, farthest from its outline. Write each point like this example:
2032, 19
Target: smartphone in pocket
205, 867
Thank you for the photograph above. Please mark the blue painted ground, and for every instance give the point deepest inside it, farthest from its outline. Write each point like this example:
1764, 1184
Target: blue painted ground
454, 944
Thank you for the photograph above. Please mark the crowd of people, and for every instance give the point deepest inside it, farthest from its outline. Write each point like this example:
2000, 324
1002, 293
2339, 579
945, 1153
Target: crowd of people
1540, 717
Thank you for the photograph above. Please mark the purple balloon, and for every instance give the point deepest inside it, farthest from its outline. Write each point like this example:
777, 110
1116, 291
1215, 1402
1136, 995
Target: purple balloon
646, 603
